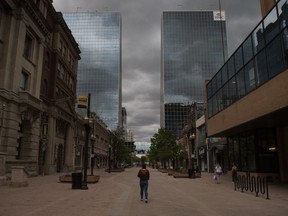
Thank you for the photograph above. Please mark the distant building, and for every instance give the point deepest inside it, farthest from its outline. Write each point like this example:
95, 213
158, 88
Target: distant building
99, 72
194, 46
99, 143
142, 148
124, 123
130, 136
176, 117
130, 143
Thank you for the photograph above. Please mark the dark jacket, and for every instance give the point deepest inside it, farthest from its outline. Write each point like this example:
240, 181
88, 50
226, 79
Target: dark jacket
143, 174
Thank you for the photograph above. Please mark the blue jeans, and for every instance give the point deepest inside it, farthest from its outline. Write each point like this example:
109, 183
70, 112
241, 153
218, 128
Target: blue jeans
144, 188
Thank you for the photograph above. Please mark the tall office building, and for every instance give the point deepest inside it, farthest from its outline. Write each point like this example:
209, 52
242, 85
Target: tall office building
99, 70
194, 46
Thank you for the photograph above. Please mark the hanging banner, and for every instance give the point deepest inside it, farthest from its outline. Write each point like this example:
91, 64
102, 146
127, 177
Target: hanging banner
211, 140
82, 102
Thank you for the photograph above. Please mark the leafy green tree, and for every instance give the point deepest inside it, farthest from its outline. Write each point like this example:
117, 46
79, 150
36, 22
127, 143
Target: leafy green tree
163, 147
143, 159
119, 150
135, 159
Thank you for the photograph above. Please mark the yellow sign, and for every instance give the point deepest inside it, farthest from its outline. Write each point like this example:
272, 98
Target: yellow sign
82, 101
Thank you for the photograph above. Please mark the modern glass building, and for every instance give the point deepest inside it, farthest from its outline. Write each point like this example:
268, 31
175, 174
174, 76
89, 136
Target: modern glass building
99, 72
257, 60
247, 98
194, 47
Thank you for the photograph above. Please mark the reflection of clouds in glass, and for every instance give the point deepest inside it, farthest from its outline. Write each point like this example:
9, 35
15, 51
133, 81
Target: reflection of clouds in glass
184, 87
192, 51
107, 111
99, 38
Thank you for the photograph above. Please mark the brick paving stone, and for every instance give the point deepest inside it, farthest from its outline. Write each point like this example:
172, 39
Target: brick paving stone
117, 194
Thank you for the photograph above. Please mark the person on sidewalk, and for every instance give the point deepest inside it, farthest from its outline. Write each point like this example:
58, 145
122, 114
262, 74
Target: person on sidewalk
218, 172
234, 172
144, 176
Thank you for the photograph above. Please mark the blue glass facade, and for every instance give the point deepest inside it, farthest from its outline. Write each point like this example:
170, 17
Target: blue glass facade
194, 46
99, 72
262, 55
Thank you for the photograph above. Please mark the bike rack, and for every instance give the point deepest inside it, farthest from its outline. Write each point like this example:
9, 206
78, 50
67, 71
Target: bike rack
252, 184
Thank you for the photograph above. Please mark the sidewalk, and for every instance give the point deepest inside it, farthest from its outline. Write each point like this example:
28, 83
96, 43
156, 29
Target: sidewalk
117, 194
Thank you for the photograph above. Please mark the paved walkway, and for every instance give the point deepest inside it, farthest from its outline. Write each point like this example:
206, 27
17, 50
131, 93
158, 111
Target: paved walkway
117, 194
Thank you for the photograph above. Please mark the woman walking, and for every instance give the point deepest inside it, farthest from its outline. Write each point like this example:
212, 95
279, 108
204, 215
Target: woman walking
234, 172
144, 176
218, 172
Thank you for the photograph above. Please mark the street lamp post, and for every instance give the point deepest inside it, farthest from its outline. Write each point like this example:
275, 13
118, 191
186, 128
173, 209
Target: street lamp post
92, 158
192, 169
109, 160
92, 147
2, 120
87, 129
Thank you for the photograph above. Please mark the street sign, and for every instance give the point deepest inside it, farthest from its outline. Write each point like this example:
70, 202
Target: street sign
82, 101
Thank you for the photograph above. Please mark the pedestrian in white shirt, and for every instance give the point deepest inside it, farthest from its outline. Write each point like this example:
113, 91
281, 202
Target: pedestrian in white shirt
218, 172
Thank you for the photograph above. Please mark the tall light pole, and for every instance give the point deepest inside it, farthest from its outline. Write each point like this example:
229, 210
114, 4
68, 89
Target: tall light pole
109, 160
2, 120
92, 146
192, 138
87, 129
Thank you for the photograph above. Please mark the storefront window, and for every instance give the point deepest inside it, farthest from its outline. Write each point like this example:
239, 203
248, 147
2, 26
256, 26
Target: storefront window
236, 151
243, 154
251, 155
267, 151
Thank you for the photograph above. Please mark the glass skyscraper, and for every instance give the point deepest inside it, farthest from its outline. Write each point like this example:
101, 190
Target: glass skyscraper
99, 71
194, 47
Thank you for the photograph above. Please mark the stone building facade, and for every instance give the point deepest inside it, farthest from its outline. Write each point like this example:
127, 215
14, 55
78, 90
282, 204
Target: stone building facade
38, 71
58, 92
22, 37
100, 141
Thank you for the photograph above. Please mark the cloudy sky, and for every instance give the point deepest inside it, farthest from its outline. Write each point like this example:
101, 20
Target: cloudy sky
141, 43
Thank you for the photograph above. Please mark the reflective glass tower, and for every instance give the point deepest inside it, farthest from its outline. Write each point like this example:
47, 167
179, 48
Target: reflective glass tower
194, 47
99, 71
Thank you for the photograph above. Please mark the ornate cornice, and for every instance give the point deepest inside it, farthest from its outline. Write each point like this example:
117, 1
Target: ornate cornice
68, 33
33, 11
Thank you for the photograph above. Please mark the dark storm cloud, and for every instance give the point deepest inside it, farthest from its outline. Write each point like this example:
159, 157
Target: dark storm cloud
141, 40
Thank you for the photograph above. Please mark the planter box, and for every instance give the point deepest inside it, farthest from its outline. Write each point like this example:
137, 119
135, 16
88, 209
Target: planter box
171, 172
180, 175
65, 178
115, 170
163, 170
68, 179
93, 179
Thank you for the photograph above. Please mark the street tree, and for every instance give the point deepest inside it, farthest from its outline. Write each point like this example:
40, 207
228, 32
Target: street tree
120, 151
163, 148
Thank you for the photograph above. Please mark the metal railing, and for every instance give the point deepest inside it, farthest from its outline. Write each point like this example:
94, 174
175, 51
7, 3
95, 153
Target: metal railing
257, 184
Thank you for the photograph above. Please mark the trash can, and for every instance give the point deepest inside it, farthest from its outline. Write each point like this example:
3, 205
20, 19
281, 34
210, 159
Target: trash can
76, 180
